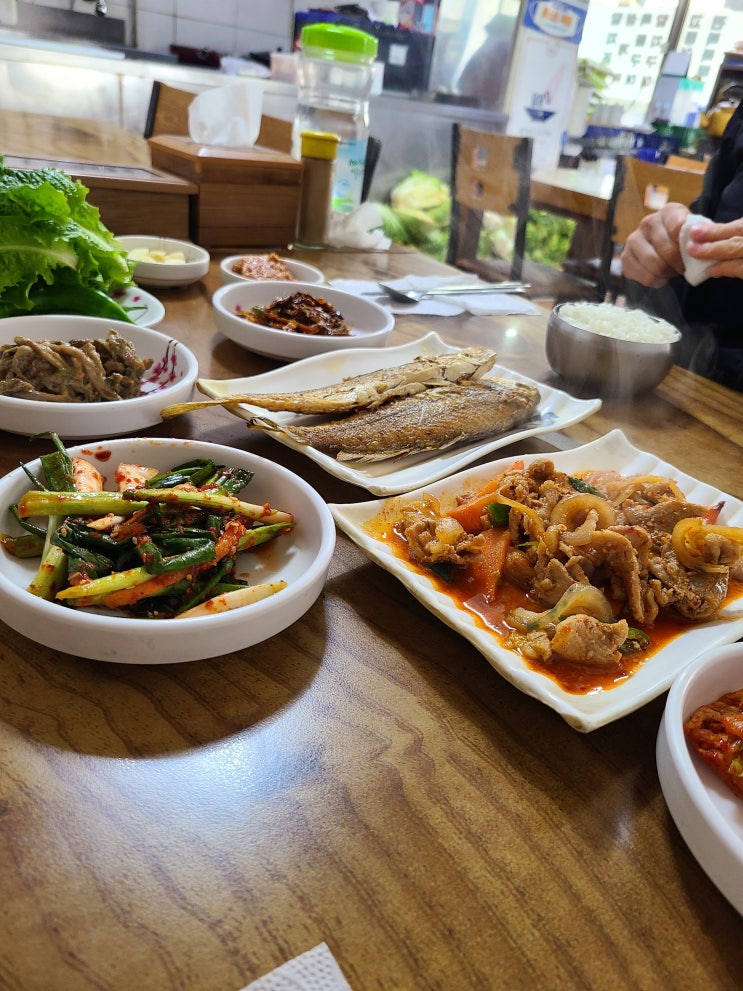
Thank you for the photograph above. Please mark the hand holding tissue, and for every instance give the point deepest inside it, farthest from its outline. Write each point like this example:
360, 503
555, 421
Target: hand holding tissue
695, 269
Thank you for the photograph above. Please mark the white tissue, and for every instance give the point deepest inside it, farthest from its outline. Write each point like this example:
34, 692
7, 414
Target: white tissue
315, 970
229, 116
695, 269
362, 228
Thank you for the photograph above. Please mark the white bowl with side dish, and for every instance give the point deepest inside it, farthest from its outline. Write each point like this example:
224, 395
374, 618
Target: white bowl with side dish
300, 557
150, 272
370, 323
170, 379
601, 363
707, 813
301, 271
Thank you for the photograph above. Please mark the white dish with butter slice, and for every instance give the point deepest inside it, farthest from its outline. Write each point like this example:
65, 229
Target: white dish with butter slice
165, 261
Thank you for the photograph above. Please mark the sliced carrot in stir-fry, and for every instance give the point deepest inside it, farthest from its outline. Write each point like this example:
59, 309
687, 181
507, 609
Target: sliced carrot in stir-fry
485, 574
472, 515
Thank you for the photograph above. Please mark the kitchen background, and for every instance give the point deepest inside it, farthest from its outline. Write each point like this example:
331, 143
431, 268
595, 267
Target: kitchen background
630, 36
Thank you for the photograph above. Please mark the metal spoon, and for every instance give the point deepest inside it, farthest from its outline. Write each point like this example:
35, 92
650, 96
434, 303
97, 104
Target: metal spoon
415, 296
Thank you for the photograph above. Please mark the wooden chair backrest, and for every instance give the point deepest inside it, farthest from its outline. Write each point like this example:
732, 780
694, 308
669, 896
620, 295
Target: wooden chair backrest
168, 114
488, 172
642, 188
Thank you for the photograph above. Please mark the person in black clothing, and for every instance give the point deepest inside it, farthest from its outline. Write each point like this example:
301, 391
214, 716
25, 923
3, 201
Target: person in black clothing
709, 315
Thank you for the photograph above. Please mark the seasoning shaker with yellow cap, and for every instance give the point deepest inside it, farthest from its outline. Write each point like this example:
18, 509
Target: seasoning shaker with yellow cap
319, 150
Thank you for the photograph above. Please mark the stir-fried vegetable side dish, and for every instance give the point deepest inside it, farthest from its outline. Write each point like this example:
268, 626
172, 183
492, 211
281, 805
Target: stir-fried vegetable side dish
162, 545
584, 576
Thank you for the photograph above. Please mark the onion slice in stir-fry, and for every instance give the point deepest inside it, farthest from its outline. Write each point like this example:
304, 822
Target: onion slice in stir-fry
579, 597
689, 539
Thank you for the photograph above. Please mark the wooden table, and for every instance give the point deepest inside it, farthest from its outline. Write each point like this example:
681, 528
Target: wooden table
364, 778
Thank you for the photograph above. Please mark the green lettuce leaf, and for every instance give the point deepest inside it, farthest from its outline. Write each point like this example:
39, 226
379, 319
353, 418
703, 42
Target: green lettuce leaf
50, 234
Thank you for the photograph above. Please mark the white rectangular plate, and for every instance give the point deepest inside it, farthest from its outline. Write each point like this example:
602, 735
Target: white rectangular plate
583, 712
556, 410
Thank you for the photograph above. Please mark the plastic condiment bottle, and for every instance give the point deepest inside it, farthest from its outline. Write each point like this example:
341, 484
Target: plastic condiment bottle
319, 150
335, 74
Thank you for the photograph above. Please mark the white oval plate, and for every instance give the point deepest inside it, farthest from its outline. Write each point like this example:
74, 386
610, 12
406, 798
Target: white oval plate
143, 308
583, 712
708, 815
556, 411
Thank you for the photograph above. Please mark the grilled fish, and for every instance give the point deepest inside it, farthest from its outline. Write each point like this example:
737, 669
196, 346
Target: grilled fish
433, 420
362, 391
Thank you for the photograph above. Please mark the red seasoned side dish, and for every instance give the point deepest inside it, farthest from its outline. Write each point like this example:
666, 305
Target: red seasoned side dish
263, 267
715, 731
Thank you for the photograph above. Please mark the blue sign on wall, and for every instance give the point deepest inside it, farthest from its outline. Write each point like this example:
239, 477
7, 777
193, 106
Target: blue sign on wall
559, 20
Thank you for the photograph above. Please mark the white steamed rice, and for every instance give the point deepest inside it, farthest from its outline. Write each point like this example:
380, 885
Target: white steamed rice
617, 321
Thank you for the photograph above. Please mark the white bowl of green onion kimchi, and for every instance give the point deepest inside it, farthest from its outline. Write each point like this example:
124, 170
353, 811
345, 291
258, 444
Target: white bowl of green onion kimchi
160, 551
88, 377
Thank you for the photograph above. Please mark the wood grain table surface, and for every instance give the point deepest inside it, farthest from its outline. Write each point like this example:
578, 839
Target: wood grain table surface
364, 778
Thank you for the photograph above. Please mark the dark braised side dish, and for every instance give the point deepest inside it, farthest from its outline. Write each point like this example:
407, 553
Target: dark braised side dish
300, 313
72, 371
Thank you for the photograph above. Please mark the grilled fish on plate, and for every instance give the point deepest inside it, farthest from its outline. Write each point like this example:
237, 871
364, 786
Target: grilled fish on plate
432, 420
362, 391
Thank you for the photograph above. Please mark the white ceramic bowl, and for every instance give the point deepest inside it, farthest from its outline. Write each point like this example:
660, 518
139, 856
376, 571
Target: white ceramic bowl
169, 380
164, 274
371, 324
708, 815
301, 558
301, 271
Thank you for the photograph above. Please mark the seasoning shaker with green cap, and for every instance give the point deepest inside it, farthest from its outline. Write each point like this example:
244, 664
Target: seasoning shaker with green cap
319, 150
335, 75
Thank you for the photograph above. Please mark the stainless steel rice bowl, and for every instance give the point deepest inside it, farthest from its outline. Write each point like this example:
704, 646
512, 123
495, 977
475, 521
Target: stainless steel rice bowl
606, 360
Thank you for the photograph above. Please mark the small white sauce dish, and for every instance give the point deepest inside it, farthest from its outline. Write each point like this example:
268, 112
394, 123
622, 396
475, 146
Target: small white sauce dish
301, 271
370, 323
707, 813
166, 274
170, 379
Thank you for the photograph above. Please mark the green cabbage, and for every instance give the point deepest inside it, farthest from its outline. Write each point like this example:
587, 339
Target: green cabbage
50, 234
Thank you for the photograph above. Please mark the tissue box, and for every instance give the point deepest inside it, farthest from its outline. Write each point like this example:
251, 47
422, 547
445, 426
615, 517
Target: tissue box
247, 197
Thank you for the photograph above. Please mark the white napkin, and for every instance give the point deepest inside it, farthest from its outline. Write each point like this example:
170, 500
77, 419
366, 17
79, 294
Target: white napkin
229, 115
362, 228
695, 269
478, 304
315, 970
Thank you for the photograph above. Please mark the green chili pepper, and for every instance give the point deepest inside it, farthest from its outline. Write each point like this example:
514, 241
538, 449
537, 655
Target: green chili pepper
81, 300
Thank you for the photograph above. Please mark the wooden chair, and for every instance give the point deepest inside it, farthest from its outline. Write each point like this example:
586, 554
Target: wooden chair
492, 172
168, 114
640, 188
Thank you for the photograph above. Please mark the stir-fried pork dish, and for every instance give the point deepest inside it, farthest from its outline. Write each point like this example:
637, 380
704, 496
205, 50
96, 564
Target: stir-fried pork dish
81, 371
300, 313
599, 557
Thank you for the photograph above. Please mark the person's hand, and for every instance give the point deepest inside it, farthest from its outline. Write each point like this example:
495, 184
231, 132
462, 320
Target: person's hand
719, 243
651, 253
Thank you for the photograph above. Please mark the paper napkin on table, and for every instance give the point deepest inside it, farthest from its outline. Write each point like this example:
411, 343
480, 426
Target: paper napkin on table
315, 970
695, 269
362, 228
478, 304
